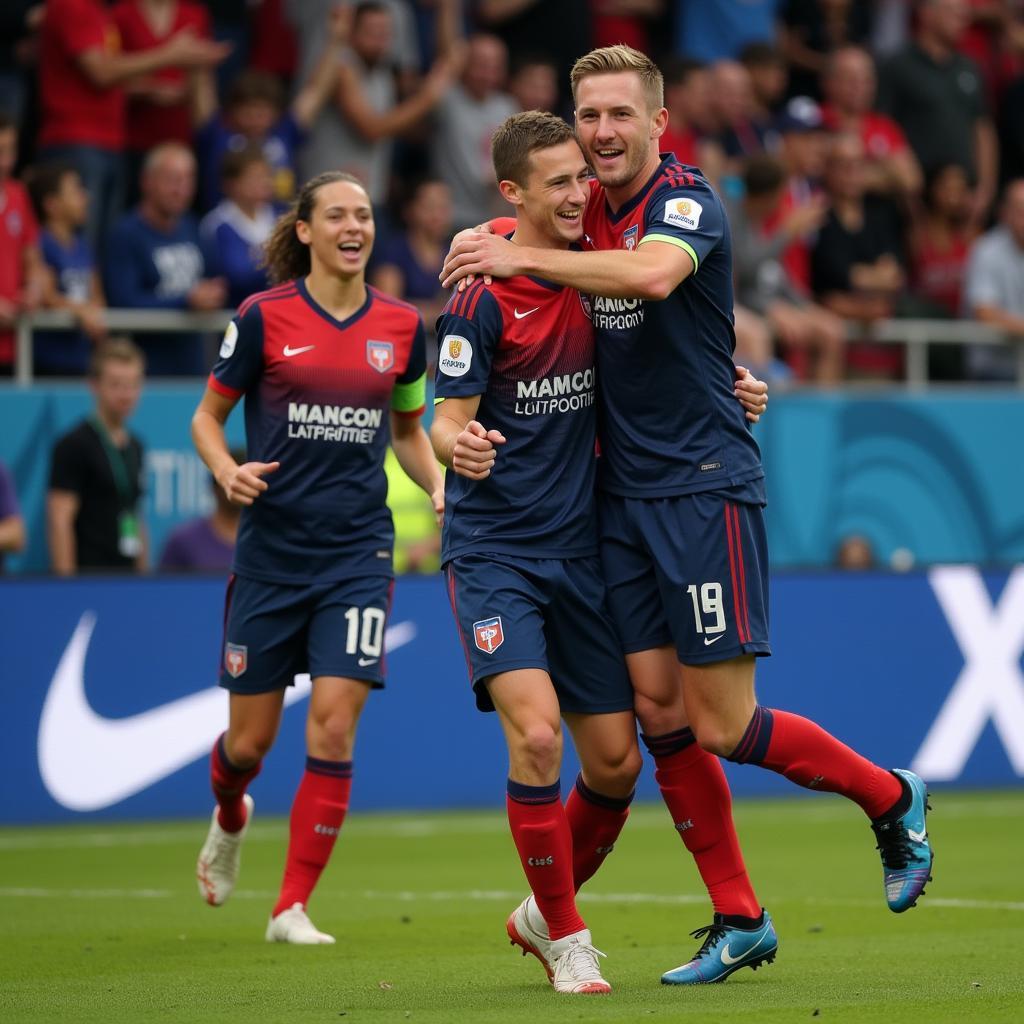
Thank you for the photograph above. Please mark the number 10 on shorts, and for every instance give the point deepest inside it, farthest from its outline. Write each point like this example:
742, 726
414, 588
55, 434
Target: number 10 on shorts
708, 610
365, 637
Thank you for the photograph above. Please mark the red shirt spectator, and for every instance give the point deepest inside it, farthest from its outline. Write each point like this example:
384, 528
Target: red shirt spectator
151, 120
939, 272
685, 145
881, 135
73, 109
18, 231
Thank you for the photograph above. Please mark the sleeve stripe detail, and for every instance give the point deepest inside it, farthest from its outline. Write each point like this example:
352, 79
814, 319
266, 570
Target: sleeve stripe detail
410, 414
678, 242
282, 291
222, 389
476, 300
469, 300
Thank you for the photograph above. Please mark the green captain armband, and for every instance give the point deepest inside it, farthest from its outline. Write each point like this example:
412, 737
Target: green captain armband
678, 242
409, 399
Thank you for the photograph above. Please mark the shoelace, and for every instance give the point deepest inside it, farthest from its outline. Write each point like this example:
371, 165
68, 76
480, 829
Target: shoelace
581, 961
893, 844
712, 934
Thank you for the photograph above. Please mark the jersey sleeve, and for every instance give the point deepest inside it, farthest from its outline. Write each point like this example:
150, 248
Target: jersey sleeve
240, 359
688, 216
469, 330
409, 395
68, 468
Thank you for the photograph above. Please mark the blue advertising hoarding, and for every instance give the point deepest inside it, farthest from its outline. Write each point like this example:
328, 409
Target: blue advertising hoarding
111, 705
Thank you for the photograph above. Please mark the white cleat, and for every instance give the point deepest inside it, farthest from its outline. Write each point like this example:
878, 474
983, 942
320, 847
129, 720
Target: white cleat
528, 930
293, 925
217, 867
576, 970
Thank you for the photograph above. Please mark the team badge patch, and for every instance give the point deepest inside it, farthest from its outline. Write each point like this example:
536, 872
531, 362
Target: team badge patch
684, 213
456, 355
236, 659
227, 346
380, 355
629, 237
587, 304
488, 634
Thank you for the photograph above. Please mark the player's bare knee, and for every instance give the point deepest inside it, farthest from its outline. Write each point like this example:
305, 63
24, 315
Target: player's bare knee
332, 735
718, 737
249, 748
617, 775
539, 749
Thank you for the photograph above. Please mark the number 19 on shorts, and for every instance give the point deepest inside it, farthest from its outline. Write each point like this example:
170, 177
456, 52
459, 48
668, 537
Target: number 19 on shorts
708, 610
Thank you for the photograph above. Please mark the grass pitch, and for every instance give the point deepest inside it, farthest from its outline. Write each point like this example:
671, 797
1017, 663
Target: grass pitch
104, 923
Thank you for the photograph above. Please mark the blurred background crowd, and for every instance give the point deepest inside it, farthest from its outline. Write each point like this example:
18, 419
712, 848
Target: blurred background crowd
871, 155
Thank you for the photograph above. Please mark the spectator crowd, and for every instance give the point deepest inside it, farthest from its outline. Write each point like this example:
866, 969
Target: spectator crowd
871, 155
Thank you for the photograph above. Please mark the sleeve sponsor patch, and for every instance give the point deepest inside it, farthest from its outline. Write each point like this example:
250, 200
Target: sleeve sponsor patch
456, 355
683, 213
227, 346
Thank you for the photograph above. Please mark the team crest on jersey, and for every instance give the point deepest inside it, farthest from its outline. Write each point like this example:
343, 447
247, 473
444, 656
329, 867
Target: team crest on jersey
588, 306
629, 238
684, 213
380, 355
236, 659
488, 634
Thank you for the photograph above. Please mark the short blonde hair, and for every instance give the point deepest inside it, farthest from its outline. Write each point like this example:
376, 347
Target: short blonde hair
609, 60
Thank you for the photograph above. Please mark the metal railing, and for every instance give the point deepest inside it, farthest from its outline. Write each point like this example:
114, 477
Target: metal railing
915, 335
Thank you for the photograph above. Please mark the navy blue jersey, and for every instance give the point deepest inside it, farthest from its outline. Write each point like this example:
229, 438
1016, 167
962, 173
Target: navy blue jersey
318, 393
527, 348
668, 420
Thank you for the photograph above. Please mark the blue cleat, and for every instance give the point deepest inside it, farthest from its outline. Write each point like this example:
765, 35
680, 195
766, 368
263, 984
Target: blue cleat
725, 950
903, 843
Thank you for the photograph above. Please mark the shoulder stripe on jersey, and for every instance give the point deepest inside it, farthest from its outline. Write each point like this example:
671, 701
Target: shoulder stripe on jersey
475, 301
678, 242
391, 300
469, 296
284, 291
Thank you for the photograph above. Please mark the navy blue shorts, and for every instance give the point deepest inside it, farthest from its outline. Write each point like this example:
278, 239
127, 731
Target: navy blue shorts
546, 613
274, 630
691, 571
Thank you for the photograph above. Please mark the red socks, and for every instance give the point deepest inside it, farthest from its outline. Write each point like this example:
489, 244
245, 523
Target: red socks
317, 814
807, 755
541, 833
229, 785
697, 796
595, 822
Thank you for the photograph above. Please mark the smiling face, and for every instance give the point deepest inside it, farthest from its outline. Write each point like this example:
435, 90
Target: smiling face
551, 201
617, 129
340, 230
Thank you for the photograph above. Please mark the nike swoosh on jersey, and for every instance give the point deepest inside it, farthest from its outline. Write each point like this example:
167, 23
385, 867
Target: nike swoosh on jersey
708, 643
289, 351
519, 316
363, 662
88, 762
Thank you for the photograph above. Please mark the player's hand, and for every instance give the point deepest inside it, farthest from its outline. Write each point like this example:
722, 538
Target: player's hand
437, 500
243, 484
752, 393
480, 253
474, 452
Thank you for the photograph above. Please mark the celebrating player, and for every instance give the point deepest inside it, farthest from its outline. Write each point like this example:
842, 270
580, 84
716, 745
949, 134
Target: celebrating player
681, 496
331, 370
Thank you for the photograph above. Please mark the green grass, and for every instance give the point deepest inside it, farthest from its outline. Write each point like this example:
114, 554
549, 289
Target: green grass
103, 923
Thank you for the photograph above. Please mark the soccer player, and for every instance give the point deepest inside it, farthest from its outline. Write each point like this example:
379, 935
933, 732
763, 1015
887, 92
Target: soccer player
681, 496
331, 371
515, 375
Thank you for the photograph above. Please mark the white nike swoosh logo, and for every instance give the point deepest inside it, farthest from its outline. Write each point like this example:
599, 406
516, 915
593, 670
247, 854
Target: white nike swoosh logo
88, 762
918, 837
289, 351
363, 662
519, 316
708, 643
729, 960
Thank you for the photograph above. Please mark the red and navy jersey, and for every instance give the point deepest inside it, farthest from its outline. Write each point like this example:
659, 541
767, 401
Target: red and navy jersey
318, 393
526, 346
668, 420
